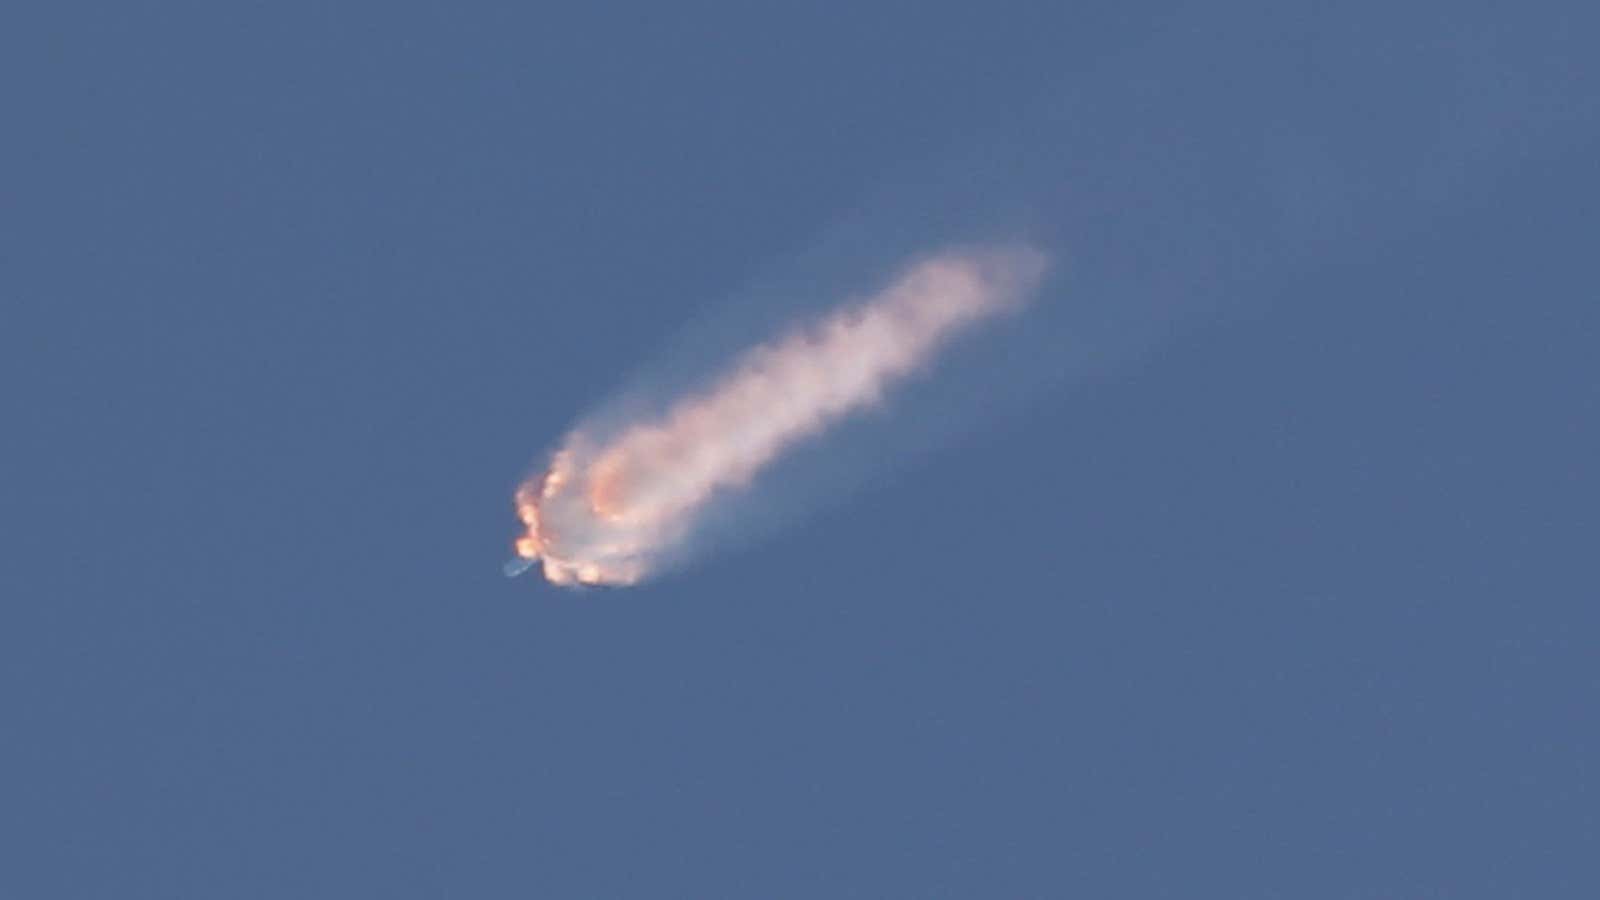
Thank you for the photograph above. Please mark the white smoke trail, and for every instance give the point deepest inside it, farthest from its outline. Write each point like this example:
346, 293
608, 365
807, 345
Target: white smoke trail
613, 511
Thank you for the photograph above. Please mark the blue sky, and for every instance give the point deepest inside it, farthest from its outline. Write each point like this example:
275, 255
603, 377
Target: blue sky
1291, 593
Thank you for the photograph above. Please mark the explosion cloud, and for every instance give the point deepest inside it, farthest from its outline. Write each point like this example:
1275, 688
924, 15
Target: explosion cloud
614, 508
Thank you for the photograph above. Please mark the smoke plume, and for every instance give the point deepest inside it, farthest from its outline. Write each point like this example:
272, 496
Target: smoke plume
614, 508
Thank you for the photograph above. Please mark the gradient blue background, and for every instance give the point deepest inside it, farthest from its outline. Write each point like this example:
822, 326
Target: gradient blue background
1300, 604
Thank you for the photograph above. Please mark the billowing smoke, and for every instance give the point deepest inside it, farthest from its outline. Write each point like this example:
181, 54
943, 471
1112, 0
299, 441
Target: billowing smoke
614, 508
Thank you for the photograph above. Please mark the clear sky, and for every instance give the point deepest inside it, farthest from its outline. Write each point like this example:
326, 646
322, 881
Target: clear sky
1294, 596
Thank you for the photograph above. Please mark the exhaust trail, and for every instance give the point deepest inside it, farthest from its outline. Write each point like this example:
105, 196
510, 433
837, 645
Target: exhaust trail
613, 509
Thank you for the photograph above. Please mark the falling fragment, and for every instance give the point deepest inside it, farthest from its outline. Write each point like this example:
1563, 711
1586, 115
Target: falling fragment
612, 509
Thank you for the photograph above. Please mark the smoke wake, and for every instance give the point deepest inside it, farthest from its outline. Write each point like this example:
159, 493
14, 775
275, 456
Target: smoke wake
613, 509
